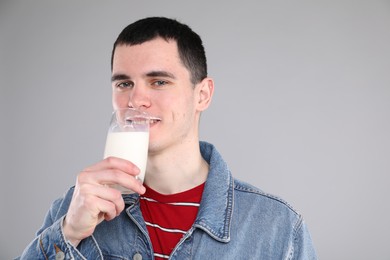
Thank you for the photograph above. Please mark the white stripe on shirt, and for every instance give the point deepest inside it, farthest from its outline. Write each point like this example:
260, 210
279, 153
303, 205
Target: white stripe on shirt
165, 229
161, 256
173, 203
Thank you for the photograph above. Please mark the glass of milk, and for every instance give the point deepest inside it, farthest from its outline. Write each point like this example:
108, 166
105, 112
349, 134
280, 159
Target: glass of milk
128, 138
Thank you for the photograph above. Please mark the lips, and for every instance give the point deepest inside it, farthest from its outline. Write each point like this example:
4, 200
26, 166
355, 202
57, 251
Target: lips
154, 120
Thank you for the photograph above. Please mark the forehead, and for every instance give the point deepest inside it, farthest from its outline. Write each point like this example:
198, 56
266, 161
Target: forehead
157, 52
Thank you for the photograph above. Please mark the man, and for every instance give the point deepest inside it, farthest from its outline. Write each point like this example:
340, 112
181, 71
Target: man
190, 206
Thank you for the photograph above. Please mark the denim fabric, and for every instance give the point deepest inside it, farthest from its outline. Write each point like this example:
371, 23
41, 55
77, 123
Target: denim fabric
235, 221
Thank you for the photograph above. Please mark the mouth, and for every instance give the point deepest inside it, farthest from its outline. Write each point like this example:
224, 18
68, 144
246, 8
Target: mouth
153, 120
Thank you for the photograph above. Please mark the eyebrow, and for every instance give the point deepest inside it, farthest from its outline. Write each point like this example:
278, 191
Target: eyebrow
117, 77
160, 73
157, 73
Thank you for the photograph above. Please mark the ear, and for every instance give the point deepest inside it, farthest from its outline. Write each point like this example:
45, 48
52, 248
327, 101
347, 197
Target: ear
204, 92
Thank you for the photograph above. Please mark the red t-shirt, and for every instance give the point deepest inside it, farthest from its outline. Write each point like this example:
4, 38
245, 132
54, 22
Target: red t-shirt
169, 217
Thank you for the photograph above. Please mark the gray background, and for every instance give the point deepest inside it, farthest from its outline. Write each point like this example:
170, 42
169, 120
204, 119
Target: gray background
301, 107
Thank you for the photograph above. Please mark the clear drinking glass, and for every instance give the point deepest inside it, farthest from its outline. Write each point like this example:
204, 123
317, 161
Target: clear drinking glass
128, 138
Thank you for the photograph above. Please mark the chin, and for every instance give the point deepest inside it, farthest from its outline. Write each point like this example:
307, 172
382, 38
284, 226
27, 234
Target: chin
153, 147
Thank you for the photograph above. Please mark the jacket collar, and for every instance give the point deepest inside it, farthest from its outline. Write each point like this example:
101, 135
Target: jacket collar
216, 207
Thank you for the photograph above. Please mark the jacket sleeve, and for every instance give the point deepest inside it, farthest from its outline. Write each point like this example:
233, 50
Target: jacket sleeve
303, 248
50, 242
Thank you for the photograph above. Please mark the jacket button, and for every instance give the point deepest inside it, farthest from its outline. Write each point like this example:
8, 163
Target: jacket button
137, 256
60, 255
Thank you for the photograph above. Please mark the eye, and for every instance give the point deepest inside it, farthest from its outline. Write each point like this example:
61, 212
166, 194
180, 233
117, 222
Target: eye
125, 85
159, 83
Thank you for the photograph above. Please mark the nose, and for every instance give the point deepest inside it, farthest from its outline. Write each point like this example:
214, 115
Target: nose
139, 97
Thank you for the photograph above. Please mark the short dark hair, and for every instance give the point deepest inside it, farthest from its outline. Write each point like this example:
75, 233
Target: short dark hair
189, 44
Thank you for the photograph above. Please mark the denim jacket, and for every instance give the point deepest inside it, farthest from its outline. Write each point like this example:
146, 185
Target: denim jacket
235, 221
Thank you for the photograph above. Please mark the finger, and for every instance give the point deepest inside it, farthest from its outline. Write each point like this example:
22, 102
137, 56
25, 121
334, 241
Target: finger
111, 177
99, 199
110, 194
117, 163
106, 207
90, 194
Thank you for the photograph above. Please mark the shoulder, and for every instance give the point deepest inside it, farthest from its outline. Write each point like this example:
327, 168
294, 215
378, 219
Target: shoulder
257, 212
58, 209
253, 197
60, 206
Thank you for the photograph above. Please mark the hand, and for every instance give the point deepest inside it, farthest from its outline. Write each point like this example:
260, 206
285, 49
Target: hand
94, 201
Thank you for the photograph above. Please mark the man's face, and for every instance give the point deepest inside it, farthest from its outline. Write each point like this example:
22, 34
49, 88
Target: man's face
151, 77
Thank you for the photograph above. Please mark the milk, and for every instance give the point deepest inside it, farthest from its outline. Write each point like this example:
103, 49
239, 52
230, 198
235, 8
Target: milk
131, 146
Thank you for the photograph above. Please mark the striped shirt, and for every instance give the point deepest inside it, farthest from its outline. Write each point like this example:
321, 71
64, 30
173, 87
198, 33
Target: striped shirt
169, 217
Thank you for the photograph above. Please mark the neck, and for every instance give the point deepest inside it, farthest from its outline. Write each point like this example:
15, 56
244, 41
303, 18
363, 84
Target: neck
177, 169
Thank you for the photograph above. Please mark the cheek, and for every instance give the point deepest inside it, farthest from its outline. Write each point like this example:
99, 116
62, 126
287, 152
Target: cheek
185, 110
120, 100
